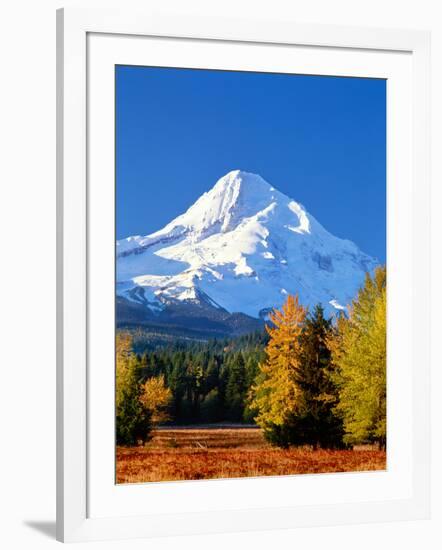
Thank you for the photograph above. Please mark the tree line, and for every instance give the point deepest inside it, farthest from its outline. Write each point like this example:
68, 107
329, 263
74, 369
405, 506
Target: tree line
205, 382
305, 380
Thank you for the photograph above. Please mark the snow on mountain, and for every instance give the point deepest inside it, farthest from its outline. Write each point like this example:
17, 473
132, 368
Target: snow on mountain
241, 247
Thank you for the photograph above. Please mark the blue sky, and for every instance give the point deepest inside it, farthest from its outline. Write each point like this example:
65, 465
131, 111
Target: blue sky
320, 140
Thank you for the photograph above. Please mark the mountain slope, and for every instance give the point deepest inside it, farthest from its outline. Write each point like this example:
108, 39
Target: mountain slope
240, 248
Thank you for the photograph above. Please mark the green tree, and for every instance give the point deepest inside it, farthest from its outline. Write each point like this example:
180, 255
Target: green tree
177, 385
315, 421
252, 371
236, 387
211, 407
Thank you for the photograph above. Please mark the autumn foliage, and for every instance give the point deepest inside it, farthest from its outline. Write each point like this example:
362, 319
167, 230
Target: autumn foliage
309, 381
324, 383
195, 453
276, 396
359, 353
156, 397
140, 403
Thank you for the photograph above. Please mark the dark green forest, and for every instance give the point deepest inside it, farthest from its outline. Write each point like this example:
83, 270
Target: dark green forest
209, 380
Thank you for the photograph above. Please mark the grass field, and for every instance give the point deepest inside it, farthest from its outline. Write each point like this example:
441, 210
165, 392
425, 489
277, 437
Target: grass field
230, 452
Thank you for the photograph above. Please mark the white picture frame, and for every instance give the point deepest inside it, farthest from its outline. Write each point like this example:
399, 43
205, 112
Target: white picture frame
89, 506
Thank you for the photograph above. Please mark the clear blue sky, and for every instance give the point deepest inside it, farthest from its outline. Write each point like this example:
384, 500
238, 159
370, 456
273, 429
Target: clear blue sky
320, 140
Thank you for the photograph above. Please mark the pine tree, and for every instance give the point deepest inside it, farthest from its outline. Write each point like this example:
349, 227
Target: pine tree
177, 386
315, 421
252, 370
211, 406
276, 395
194, 381
236, 387
359, 354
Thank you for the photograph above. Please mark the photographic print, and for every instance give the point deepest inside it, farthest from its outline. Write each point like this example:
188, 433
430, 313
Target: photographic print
250, 334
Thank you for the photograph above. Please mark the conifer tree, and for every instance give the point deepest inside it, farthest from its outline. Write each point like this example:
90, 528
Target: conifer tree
211, 406
236, 387
252, 370
276, 395
177, 386
315, 422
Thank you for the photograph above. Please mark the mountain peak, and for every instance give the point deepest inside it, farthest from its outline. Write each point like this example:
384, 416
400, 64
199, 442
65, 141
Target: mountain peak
241, 180
244, 245
234, 197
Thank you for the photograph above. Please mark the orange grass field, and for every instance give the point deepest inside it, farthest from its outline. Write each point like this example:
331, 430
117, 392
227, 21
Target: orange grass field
226, 452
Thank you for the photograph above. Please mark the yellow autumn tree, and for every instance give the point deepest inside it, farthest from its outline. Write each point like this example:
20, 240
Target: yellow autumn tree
275, 396
124, 368
359, 352
133, 419
156, 397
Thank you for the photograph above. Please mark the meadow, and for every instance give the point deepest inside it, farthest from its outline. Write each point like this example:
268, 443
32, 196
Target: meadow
228, 451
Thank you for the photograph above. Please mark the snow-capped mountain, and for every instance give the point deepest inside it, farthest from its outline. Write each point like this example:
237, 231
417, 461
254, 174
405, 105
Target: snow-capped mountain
239, 249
